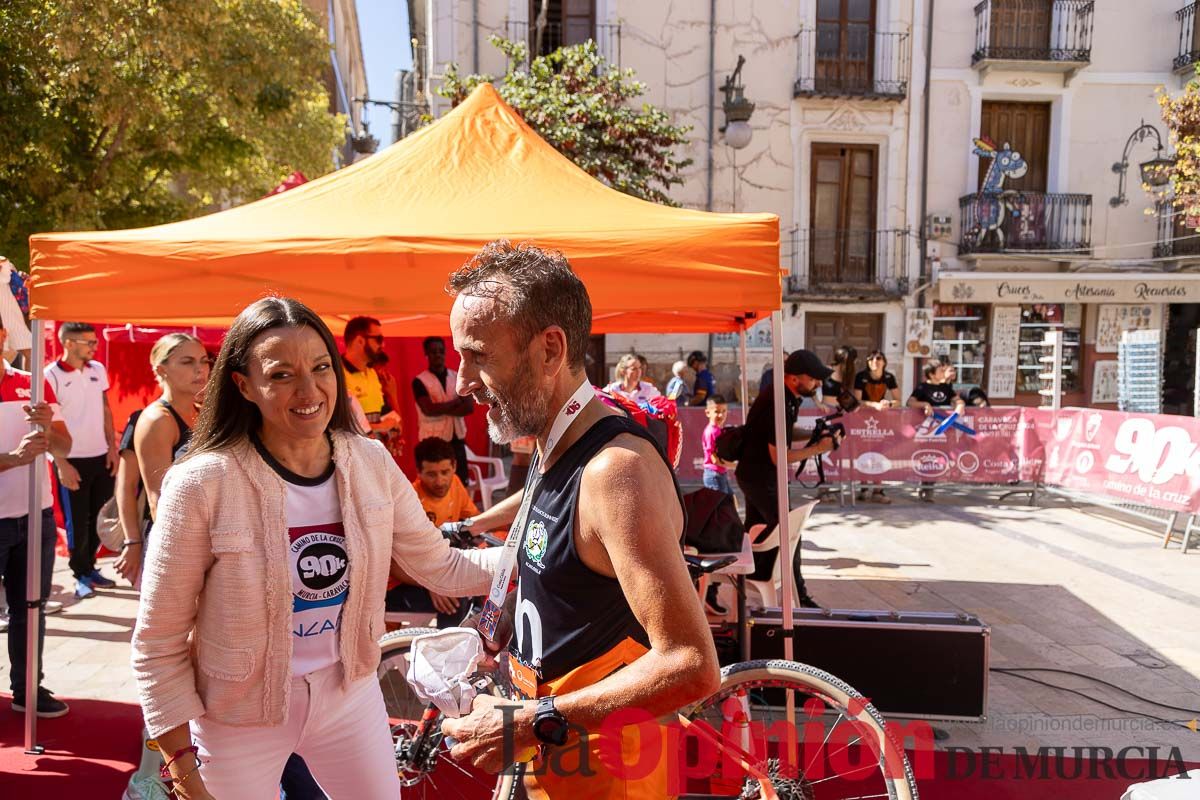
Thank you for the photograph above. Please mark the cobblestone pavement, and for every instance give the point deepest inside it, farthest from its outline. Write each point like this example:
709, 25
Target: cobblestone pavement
1060, 588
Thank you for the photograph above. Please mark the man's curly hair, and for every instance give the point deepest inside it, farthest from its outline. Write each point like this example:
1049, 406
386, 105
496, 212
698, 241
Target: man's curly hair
534, 289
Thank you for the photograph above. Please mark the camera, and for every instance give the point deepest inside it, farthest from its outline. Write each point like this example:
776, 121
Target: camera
826, 427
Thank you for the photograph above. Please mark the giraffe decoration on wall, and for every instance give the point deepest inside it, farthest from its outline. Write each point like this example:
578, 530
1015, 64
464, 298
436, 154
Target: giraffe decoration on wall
989, 204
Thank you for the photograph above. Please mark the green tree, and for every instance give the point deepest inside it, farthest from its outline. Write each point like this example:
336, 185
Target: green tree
1182, 117
582, 105
126, 113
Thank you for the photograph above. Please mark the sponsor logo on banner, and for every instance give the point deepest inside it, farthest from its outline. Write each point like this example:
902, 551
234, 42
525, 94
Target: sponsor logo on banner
999, 464
1084, 462
927, 429
930, 463
968, 462
872, 430
872, 463
1062, 428
1154, 454
1092, 426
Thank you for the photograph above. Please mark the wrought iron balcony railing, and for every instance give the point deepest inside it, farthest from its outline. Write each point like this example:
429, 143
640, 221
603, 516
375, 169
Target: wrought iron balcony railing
1174, 238
843, 61
1189, 41
1034, 30
1025, 221
606, 35
846, 262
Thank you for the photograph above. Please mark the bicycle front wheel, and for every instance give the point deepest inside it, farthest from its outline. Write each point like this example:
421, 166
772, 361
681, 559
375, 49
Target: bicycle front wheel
437, 775
834, 747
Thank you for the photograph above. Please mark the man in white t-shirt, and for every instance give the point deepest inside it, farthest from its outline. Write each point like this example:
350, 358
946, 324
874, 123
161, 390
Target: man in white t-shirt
81, 385
18, 449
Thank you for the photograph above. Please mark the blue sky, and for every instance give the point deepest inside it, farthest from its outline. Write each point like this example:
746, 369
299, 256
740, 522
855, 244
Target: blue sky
383, 27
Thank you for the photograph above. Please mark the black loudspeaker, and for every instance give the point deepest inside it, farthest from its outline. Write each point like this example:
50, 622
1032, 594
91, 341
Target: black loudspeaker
931, 665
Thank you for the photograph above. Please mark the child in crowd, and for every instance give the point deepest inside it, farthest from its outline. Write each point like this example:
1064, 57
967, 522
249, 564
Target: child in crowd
715, 473
444, 499
677, 388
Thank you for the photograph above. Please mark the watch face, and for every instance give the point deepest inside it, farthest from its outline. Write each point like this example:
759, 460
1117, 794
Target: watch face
551, 729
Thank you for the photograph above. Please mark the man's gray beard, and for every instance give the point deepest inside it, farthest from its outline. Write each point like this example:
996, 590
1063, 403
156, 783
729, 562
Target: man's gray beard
526, 416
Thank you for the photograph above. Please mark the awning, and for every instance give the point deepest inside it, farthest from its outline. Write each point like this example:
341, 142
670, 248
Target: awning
1059, 287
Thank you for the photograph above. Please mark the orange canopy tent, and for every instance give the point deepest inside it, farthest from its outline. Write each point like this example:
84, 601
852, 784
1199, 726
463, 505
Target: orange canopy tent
381, 236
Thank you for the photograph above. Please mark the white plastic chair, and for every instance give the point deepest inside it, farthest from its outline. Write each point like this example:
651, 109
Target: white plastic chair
768, 591
496, 480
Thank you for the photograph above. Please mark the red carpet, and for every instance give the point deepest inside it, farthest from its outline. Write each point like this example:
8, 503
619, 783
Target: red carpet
91, 752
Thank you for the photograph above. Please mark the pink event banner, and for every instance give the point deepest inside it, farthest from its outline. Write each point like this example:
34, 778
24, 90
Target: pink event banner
1149, 459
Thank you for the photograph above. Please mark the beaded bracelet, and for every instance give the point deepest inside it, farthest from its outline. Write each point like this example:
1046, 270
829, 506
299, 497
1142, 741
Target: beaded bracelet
164, 771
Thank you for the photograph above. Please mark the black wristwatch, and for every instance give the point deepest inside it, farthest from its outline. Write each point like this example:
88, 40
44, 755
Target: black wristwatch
549, 725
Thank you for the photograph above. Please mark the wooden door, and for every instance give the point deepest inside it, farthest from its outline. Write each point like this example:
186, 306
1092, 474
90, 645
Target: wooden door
1020, 28
824, 333
1026, 128
568, 22
843, 197
845, 51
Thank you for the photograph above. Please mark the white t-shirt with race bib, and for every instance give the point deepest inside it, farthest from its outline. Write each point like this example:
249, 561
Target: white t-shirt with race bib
318, 565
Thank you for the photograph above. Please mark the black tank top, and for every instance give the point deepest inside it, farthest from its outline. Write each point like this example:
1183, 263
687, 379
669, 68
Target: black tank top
185, 433
566, 613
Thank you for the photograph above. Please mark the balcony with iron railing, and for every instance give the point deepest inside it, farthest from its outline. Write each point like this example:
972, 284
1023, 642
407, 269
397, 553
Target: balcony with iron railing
844, 61
1033, 35
847, 263
607, 37
1015, 222
1189, 38
1175, 240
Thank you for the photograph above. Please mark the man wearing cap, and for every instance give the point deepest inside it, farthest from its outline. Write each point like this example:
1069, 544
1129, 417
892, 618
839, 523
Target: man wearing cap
803, 373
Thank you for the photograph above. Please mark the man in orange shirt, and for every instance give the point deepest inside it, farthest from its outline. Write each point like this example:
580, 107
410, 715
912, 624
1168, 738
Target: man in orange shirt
444, 499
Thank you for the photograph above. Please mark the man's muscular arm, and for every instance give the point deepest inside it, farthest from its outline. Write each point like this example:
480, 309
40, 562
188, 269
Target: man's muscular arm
639, 549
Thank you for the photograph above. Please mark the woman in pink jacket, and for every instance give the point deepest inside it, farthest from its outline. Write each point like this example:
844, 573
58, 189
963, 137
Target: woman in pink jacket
263, 590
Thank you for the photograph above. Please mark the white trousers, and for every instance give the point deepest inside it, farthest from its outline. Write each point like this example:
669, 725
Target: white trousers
342, 734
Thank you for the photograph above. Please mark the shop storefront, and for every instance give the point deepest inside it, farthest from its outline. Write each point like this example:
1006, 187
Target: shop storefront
992, 325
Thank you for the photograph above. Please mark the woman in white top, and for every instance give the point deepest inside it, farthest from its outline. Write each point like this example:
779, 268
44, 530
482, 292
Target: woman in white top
629, 383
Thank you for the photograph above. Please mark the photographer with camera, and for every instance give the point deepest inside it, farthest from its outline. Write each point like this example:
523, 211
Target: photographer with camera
803, 374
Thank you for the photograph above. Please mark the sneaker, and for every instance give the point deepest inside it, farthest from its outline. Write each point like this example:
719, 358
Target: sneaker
3, 621
926, 495
53, 607
713, 604
47, 706
806, 601
98, 581
83, 589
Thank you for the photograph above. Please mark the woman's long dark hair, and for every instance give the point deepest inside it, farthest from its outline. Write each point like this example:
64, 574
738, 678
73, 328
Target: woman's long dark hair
227, 418
844, 357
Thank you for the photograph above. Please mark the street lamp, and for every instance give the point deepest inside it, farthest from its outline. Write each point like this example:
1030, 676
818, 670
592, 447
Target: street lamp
1156, 172
737, 109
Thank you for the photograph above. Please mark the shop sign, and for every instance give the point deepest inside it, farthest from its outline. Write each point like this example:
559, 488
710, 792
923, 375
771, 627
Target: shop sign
1014, 288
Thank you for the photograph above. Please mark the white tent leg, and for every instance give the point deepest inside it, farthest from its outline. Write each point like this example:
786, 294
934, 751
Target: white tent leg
781, 485
745, 396
33, 561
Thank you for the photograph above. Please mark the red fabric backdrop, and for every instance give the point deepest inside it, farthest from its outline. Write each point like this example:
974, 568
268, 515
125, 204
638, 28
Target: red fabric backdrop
126, 354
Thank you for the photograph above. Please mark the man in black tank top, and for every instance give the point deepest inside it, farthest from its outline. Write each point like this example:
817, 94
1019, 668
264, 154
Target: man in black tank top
606, 617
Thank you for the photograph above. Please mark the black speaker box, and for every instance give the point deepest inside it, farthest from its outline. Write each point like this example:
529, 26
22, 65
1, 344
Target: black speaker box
931, 665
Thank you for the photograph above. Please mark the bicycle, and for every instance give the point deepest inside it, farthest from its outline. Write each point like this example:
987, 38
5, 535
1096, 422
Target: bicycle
735, 724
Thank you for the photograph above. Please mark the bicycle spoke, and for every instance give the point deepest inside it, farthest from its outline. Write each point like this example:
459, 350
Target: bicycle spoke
847, 774
845, 747
828, 733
